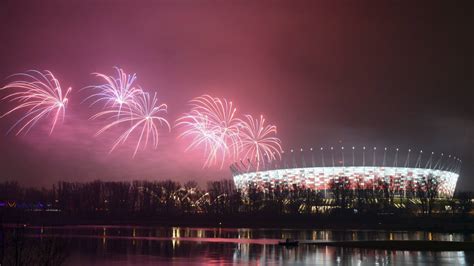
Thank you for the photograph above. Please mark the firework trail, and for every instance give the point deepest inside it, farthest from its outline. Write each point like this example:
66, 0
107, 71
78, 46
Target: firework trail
116, 91
143, 115
258, 141
212, 123
221, 117
200, 130
38, 95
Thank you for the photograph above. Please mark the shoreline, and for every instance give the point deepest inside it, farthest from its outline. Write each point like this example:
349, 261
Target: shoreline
445, 224
390, 245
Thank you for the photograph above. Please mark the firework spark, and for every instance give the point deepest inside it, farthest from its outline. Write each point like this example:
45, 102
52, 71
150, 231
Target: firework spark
143, 115
258, 141
200, 130
39, 95
116, 91
212, 124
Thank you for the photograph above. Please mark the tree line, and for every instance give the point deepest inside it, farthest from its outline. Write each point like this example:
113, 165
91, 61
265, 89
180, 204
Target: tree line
169, 197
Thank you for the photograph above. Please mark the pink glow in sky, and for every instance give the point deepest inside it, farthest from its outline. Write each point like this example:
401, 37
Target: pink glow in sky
322, 72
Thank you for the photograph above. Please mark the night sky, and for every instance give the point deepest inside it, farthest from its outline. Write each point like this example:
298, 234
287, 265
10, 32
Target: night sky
375, 73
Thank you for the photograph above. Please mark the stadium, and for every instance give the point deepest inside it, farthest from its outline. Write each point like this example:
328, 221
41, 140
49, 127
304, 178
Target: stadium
354, 170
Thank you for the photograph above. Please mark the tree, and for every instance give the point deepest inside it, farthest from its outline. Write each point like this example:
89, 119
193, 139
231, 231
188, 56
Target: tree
465, 202
427, 191
340, 188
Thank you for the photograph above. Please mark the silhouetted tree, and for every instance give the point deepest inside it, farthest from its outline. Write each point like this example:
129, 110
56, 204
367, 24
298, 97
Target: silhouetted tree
340, 188
465, 202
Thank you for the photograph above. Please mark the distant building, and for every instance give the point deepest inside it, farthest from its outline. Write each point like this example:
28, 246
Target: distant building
357, 171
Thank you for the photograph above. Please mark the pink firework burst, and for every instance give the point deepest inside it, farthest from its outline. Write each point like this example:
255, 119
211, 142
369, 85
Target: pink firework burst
39, 95
202, 134
143, 116
258, 141
212, 125
116, 91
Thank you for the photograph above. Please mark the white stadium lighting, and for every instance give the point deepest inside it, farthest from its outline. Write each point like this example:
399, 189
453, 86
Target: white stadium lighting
401, 179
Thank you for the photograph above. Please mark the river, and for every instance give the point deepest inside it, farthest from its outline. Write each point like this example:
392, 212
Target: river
139, 245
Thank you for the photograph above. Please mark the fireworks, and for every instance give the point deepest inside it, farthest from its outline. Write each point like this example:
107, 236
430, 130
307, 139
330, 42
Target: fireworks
129, 105
221, 119
143, 115
200, 130
258, 141
212, 124
116, 91
38, 95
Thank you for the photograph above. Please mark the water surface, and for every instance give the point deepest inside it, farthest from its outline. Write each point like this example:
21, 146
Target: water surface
136, 245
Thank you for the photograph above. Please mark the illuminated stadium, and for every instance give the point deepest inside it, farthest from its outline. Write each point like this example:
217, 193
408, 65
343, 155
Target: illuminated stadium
352, 169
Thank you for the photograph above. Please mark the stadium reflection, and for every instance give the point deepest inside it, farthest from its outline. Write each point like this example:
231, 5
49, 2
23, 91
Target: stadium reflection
118, 245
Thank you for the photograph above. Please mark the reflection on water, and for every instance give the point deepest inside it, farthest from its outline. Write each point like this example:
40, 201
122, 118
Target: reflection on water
117, 245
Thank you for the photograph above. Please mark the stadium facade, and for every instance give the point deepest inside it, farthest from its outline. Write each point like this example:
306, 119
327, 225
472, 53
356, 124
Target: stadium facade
440, 173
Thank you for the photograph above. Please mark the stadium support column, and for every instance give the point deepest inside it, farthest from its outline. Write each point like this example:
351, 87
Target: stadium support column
458, 169
373, 167
322, 156
407, 164
395, 161
363, 157
418, 161
384, 157
447, 164
395, 164
407, 161
438, 163
453, 163
353, 158
364, 175
293, 158
429, 163
342, 153
374, 159
383, 167
332, 156
283, 157
332, 170
324, 173
303, 162
353, 164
